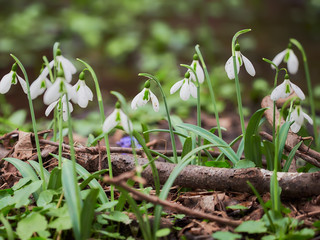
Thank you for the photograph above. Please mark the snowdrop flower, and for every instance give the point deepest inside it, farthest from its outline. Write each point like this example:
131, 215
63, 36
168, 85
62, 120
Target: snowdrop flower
58, 89
187, 87
297, 117
288, 57
12, 78
83, 92
64, 108
285, 89
240, 59
67, 67
198, 69
144, 96
116, 118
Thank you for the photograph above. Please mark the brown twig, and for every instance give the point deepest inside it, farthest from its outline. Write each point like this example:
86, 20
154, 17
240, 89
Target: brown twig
119, 182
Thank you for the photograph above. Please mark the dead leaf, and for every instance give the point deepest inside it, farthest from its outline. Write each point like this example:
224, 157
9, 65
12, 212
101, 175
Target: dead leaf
23, 147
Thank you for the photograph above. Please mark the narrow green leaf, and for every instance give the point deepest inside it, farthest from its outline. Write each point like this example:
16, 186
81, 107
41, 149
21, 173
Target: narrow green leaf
36, 167
290, 157
224, 235
72, 197
146, 135
256, 150
91, 177
252, 128
187, 146
268, 151
7, 227
87, 213
223, 146
55, 180
283, 133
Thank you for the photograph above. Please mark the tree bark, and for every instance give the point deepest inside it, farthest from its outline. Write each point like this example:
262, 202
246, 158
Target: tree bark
294, 185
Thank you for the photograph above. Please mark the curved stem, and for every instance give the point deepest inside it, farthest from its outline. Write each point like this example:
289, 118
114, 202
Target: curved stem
175, 156
210, 89
310, 92
59, 114
102, 118
33, 118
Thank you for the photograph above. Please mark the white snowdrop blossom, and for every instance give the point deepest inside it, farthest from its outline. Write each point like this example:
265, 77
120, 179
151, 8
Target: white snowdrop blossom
67, 67
285, 89
297, 117
12, 78
64, 108
187, 88
116, 118
288, 57
240, 59
198, 69
143, 97
39, 86
57, 90
83, 92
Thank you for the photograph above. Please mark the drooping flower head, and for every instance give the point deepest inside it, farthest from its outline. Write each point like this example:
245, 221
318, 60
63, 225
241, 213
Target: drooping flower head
83, 92
197, 68
187, 87
297, 117
40, 84
116, 118
240, 59
144, 96
288, 57
12, 78
285, 89
66, 66
62, 107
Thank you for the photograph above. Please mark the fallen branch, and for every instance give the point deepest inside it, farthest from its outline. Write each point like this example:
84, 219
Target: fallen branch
120, 183
294, 185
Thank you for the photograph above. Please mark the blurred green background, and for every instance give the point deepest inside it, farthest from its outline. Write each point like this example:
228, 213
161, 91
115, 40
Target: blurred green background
121, 38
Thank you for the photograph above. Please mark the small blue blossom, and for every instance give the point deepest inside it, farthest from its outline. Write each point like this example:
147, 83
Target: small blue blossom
125, 142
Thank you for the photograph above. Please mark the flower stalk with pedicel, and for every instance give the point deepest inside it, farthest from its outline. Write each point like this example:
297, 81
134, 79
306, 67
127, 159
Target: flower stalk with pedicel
186, 86
288, 57
198, 69
240, 60
12, 78
285, 89
116, 118
83, 92
297, 117
144, 96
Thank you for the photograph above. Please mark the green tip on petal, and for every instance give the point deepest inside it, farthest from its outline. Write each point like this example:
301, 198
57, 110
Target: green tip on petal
14, 77
118, 105
60, 73
187, 75
195, 57
286, 76
147, 84
58, 52
237, 47
14, 67
81, 75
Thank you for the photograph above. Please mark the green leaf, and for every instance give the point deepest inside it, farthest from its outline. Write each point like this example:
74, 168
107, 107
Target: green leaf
18, 118
106, 206
187, 146
55, 180
290, 157
163, 232
222, 145
146, 135
34, 222
238, 206
87, 213
72, 195
110, 235
118, 216
283, 133
222, 235
7, 227
91, 177
268, 151
252, 227
250, 151
244, 164
36, 167
21, 183
45, 198
218, 164
61, 223
25, 170
21, 196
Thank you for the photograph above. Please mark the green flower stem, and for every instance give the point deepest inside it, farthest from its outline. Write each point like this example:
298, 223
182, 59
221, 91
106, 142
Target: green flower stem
310, 92
199, 120
173, 142
210, 89
33, 118
233, 44
102, 118
60, 135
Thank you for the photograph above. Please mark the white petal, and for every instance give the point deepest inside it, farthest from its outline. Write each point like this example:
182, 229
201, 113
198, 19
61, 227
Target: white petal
52, 94
176, 86
35, 89
65, 110
82, 98
125, 122
298, 91
279, 92
23, 84
50, 108
193, 90
248, 66
5, 83
278, 58
295, 127
198, 70
185, 91
110, 122
293, 63
229, 68
88, 92
72, 94
45, 71
306, 116
141, 101
136, 102
154, 101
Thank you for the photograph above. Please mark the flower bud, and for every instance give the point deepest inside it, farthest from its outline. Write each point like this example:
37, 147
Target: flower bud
147, 84
81, 75
118, 105
237, 47
195, 57
187, 74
